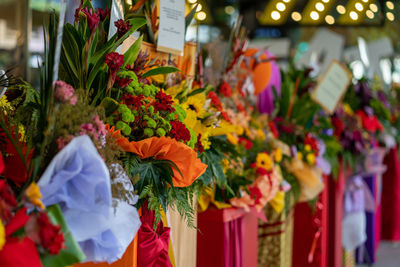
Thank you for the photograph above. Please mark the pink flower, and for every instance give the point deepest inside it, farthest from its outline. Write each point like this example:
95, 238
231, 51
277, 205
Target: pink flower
65, 93
101, 128
92, 18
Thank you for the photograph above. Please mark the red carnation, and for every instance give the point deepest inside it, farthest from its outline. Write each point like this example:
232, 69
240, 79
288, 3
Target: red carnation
338, 125
246, 143
135, 101
215, 100
92, 18
51, 236
123, 82
163, 102
273, 129
199, 145
225, 89
179, 131
122, 27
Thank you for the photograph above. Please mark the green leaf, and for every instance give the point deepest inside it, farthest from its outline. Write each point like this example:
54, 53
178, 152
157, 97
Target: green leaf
195, 92
159, 70
133, 51
72, 253
189, 17
109, 105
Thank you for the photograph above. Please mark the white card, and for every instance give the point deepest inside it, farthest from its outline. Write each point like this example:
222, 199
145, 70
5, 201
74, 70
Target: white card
332, 86
117, 12
171, 31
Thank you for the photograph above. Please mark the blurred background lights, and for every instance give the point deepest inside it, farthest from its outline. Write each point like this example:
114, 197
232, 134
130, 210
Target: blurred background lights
359, 6
370, 14
199, 7
390, 16
314, 15
286, 1
341, 9
373, 7
275, 15
229, 10
280, 6
296, 16
390, 5
325, 1
353, 15
319, 6
192, 1
329, 19
201, 15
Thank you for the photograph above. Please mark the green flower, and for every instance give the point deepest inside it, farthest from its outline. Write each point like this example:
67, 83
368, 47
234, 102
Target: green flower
151, 123
148, 132
160, 132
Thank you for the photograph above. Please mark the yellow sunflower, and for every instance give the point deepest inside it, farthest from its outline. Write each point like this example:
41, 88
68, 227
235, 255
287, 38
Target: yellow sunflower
196, 103
263, 160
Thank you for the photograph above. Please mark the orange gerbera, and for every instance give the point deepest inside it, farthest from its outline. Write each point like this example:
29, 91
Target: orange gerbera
182, 155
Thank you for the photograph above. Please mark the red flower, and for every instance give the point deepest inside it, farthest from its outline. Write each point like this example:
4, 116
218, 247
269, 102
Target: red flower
135, 101
179, 131
1, 163
17, 222
7, 201
122, 27
102, 13
163, 102
123, 82
370, 123
253, 165
240, 107
273, 129
51, 236
21, 253
199, 145
114, 61
215, 100
310, 140
246, 143
261, 171
338, 125
255, 193
225, 89
225, 116
92, 18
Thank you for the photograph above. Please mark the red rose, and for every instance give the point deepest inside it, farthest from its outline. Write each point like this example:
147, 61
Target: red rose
225, 89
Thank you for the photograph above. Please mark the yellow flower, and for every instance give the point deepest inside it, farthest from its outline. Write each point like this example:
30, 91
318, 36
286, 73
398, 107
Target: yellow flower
263, 160
278, 155
232, 139
196, 103
2, 235
310, 159
307, 148
348, 109
260, 134
34, 195
299, 155
5, 106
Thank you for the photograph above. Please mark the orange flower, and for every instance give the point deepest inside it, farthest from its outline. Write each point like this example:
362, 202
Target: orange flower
182, 155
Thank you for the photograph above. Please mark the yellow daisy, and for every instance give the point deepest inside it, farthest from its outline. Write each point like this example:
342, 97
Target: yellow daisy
263, 160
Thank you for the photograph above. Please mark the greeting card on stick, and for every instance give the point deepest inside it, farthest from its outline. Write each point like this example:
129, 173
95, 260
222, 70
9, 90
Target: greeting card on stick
171, 32
332, 86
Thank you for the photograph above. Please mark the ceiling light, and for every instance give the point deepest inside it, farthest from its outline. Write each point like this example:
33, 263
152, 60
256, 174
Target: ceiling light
286, 1
275, 15
192, 1
296, 16
329, 19
389, 5
373, 7
359, 7
280, 6
199, 7
201, 15
370, 14
229, 10
319, 6
365, 1
314, 15
390, 16
341, 9
325, 1
353, 15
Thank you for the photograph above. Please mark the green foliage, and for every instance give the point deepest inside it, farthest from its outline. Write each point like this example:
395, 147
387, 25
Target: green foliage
214, 172
159, 70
